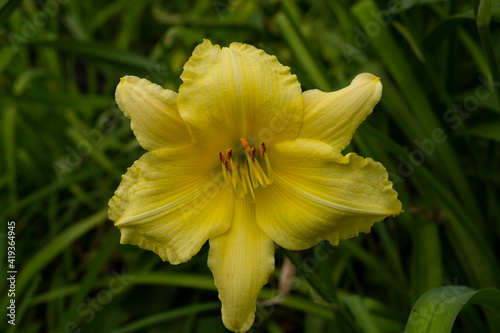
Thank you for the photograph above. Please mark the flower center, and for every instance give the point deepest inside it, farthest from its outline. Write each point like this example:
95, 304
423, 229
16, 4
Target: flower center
242, 170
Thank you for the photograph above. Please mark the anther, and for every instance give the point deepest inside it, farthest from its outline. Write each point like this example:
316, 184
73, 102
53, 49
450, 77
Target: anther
221, 157
245, 145
262, 149
229, 153
253, 153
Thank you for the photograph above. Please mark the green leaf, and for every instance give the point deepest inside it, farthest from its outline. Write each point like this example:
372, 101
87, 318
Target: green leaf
166, 316
300, 48
107, 54
361, 314
56, 246
427, 258
436, 310
489, 131
7, 9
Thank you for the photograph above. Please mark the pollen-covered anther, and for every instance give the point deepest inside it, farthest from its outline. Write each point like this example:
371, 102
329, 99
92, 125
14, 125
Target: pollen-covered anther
226, 161
222, 158
262, 147
253, 153
229, 153
245, 145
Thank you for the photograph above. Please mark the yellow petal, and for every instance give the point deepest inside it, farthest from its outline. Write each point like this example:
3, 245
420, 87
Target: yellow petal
241, 261
319, 194
238, 92
333, 117
153, 111
170, 202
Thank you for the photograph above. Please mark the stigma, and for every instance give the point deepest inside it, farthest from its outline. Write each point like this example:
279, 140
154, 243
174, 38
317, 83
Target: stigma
243, 171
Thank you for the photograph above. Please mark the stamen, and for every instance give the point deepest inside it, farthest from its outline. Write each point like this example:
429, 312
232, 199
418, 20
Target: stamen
269, 170
253, 153
245, 145
221, 157
247, 184
262, 149
256, 170
236, 182
243, 174
226, 174
228, 166
229, 153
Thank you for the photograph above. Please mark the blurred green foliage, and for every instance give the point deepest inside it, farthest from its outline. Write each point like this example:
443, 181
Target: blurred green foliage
64, 145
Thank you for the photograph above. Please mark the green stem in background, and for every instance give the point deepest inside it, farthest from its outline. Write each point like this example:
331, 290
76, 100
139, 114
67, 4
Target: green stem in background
482, 9
318, 286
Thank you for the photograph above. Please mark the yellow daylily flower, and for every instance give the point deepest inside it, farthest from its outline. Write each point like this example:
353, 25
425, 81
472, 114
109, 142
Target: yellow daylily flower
243, 158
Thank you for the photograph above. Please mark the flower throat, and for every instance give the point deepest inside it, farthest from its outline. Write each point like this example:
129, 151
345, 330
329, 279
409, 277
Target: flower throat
243, 172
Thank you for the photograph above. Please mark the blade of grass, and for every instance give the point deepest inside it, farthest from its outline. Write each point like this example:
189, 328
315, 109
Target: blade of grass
376, 266
6, 56
56, 246
7, 10
9, 143
482, 9
490, 131
361, 314
391, 250
143, 323
302, 53
102, 254
102, 53
95, 152
427, 262
51, 189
